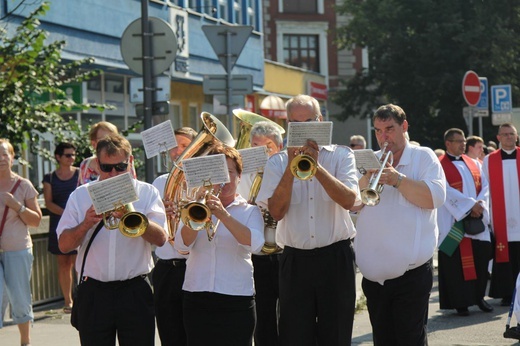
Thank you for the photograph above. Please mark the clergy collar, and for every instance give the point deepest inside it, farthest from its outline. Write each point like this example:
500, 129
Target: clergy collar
508, 154
453, 157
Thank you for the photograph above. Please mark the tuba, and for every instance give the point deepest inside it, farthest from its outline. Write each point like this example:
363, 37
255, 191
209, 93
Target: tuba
132, 224
212, 132
370, 194
270, 247
247, 120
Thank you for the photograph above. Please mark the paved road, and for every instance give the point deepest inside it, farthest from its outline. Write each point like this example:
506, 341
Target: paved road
52, 327
446, 328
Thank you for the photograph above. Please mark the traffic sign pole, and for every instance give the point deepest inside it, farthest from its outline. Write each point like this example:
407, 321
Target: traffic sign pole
147, 80
229, 90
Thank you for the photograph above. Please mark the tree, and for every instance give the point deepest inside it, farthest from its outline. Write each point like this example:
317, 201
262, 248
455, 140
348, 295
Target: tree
29, 69
418, 53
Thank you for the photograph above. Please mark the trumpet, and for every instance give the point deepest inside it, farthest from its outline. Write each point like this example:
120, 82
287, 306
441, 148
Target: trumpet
370, 195
132, 224
196, 214
303, 167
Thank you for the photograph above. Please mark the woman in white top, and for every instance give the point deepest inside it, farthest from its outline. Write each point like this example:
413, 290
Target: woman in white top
218, 287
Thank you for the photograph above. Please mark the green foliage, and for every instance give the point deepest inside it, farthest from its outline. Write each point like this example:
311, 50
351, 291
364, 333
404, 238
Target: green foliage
30, 68
418, 53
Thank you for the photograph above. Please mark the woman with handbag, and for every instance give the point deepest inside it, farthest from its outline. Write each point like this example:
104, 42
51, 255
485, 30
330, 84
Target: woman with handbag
18, 201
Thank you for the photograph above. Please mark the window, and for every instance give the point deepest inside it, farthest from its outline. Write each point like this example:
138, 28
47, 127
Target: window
222, 8
237, 12
301, 51
193, 117
298, 6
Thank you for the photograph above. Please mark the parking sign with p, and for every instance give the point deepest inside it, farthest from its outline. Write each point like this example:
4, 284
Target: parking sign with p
501, 100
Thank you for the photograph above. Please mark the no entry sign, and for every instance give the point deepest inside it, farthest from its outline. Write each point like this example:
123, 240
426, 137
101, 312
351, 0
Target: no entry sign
471, 88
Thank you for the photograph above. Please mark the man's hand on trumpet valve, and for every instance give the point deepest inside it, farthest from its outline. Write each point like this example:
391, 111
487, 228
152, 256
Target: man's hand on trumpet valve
91, 218
390, 176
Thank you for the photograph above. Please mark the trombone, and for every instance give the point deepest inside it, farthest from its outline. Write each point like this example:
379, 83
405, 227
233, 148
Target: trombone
132, 224
370, 195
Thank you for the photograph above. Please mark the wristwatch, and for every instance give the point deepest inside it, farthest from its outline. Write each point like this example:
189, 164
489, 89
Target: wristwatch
22, 209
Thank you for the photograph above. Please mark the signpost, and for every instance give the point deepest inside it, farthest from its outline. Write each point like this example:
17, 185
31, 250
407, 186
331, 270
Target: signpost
148, 47
228, 42
501, 104
471, 88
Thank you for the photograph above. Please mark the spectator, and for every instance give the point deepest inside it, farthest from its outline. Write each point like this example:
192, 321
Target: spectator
57, 186
358, 142
18, 200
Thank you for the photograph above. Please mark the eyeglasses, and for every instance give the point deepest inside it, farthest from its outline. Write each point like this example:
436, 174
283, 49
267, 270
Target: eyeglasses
352, 145
457, 140
69, 155
107, 168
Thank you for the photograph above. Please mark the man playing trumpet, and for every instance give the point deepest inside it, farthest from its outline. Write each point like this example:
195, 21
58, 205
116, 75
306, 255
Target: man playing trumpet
317, 271
114, 297
396, 238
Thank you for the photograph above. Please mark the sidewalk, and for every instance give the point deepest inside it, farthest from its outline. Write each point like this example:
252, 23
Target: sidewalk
52, 327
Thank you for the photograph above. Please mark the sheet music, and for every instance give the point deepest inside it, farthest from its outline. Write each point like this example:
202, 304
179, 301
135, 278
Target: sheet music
198, 170
366, 159
110, 193
158, 138
319, 131
253, 159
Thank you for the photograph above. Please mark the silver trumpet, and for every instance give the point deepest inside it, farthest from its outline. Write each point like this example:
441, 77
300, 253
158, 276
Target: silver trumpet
370, 195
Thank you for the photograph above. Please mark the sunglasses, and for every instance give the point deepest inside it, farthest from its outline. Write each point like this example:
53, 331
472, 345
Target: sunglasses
69, 155
107, 168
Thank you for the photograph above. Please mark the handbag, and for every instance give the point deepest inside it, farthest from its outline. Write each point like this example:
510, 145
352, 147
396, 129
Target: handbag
473, 225
74, 314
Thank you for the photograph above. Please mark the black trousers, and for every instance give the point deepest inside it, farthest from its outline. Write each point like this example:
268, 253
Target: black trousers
218, 319
503, 275
317, 295
266, 297
398, 309
167, 278
122, 308
454, 291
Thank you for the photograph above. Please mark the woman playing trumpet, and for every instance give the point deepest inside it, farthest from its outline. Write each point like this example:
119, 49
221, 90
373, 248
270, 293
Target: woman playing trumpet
218, 287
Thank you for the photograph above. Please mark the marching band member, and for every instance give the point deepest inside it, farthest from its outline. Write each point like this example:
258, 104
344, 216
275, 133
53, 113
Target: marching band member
317, 270
170, 268
114, 298
396, 238
264, 133
218, 287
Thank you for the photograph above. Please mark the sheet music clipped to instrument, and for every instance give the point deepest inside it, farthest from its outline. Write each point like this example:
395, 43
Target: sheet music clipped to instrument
253, 159
319, 131
158, 138
198, 170
112, 192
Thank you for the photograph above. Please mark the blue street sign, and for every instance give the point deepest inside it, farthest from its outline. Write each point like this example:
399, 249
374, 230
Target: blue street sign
484, 94
501, 99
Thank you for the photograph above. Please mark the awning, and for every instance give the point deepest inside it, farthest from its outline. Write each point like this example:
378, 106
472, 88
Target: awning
273, 107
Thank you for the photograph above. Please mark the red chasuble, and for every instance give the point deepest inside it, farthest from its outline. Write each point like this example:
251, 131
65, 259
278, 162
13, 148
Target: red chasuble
498, 203
455, 180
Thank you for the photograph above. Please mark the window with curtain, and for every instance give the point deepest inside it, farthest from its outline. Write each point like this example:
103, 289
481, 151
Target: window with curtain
301, 51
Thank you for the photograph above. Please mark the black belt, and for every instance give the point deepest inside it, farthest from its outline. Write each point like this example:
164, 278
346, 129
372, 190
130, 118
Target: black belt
317, 251
272, 257
115, 284
176, 262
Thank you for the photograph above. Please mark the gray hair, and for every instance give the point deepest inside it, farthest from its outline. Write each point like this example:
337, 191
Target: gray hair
267, 129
